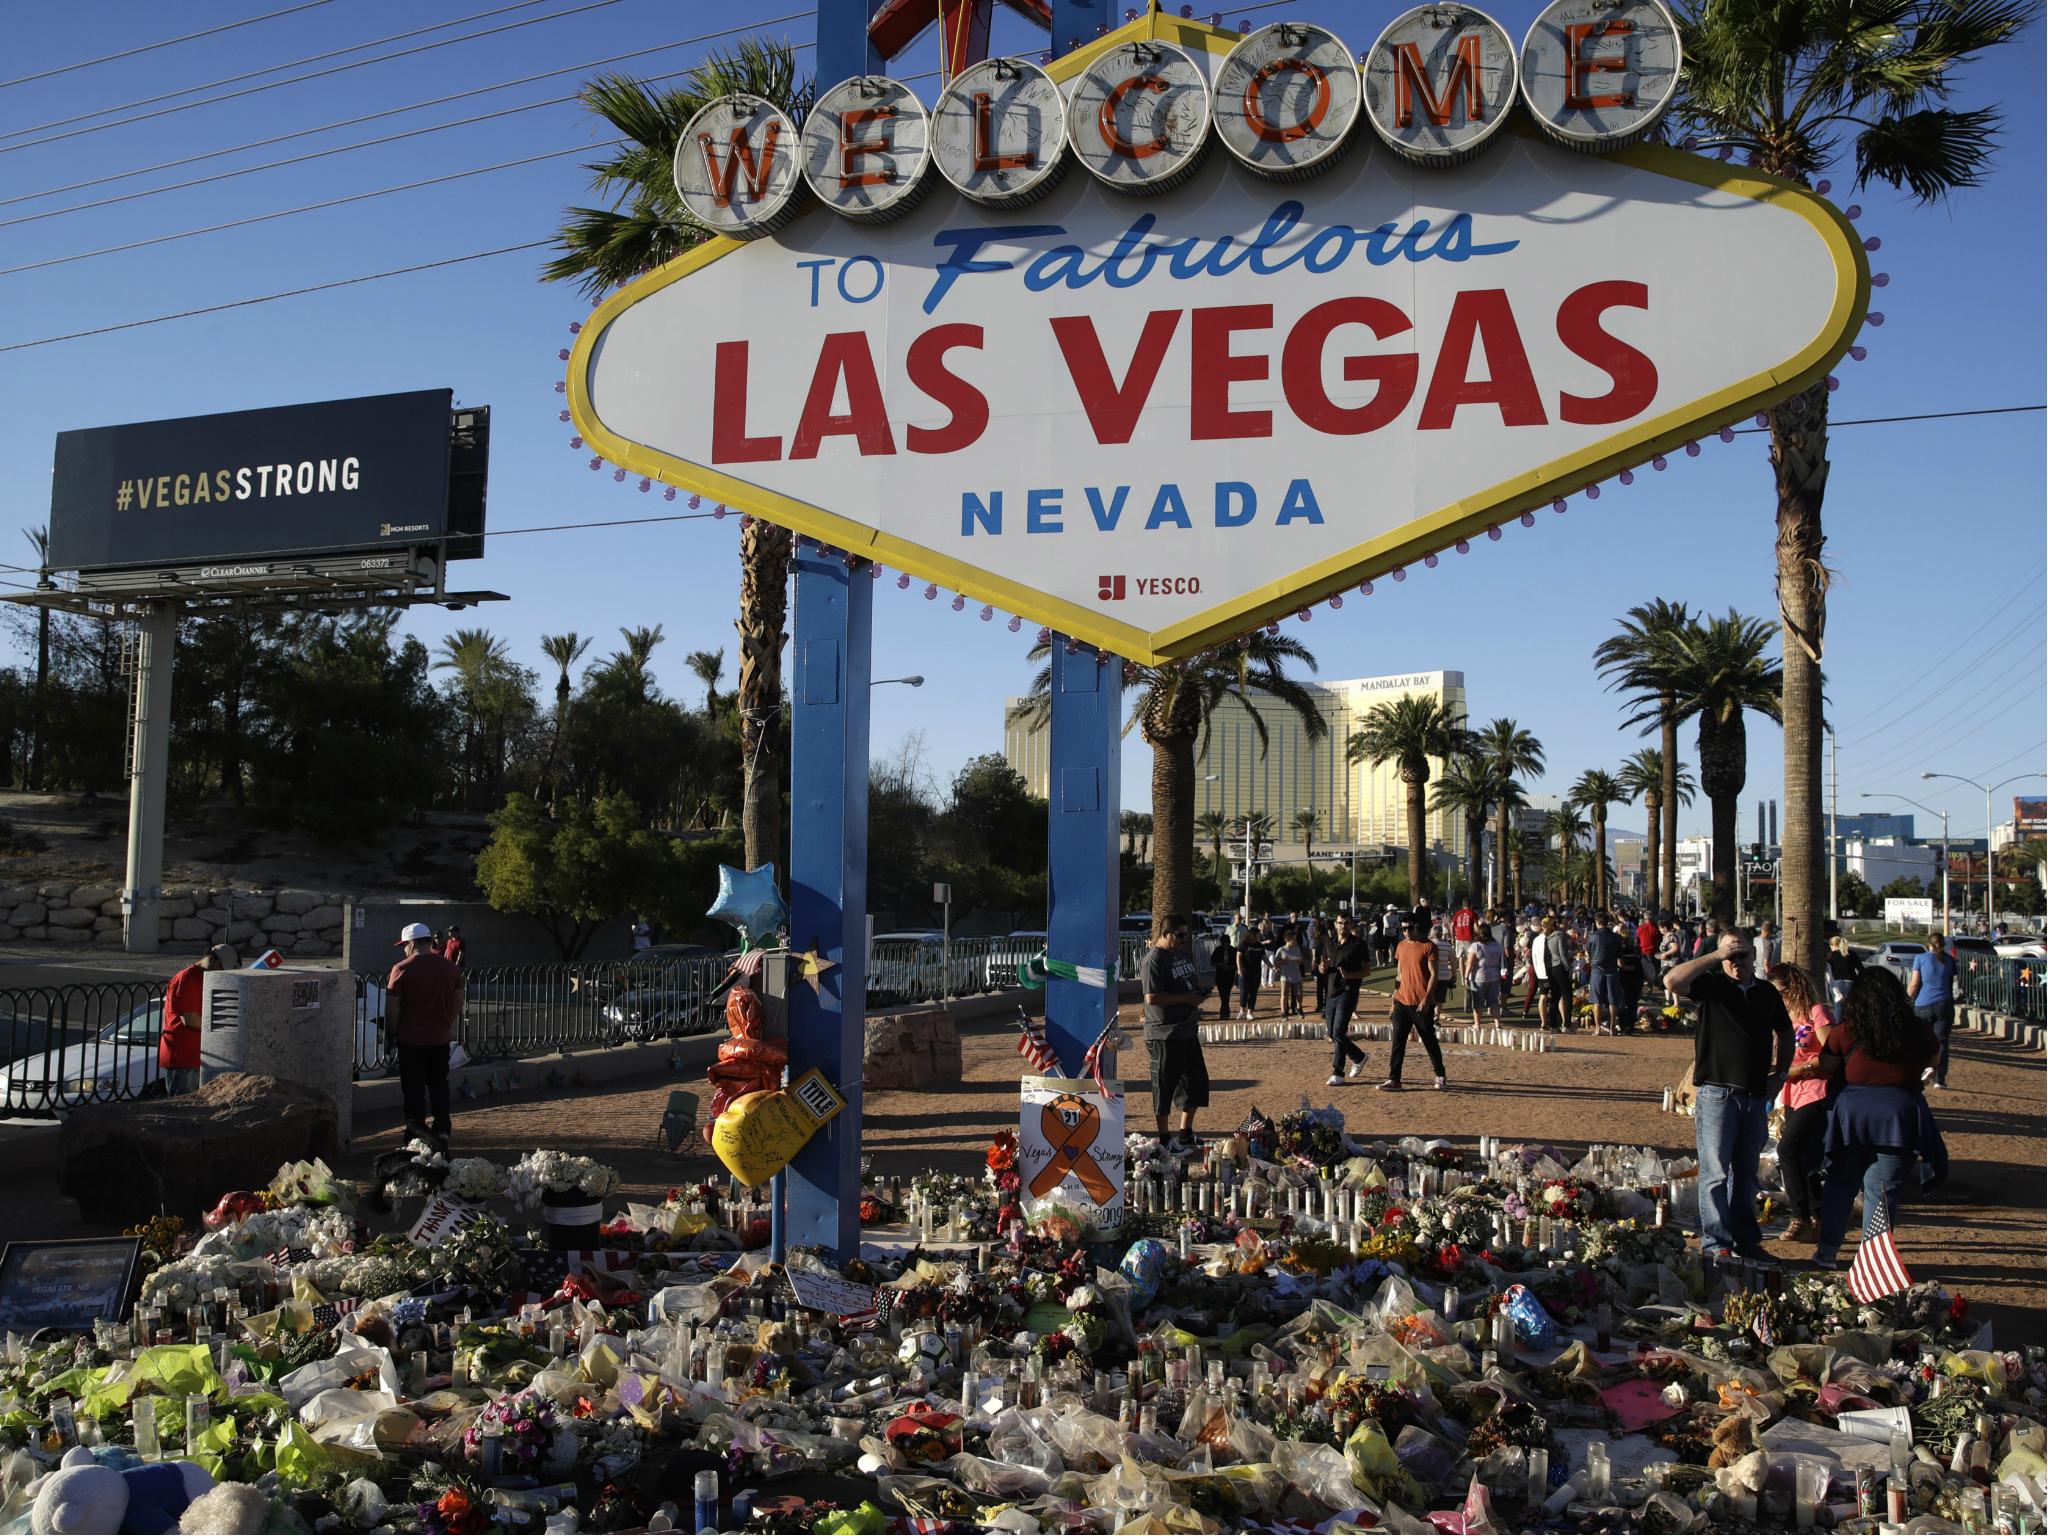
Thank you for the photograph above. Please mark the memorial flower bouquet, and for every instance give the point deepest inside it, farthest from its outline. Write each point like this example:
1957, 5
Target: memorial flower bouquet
525, 1423
1310, 1137
560, 1176
475, 1179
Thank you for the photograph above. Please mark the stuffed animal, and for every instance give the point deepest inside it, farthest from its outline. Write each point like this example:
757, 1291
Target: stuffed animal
85, 1495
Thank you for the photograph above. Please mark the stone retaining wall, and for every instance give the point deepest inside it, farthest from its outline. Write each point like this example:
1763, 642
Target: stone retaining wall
195, 917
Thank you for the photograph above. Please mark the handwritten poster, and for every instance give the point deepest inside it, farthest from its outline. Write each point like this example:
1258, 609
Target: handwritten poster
1070, 1149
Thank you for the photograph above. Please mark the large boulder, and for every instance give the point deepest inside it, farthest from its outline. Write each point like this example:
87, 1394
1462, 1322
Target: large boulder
28, 914
917, 1048
175, 906
321, 917
191, 930
70, 935
281, 922
241, 931
214, 916
8, 933
296, 902
254, 904
71, 917
125, 1162
106, 925
94, 895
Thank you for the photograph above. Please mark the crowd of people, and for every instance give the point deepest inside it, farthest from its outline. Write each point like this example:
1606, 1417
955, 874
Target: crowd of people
1848, 1057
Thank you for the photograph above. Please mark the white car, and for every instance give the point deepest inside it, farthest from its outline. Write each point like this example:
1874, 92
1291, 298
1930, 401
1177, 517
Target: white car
120, 1061
1896, 956
1006, 955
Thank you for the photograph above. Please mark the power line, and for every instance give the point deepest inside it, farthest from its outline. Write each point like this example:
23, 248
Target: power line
1895, 756
2003, 640
270, 298
284, 213
315, 74
2023, 752
1876, 421
169, 42
1949, 655
392, 138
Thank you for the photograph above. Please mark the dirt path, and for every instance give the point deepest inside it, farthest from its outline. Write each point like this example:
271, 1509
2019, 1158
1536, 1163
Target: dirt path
1984, 1235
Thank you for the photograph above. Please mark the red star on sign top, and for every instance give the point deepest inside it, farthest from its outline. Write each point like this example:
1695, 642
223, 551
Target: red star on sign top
963, 27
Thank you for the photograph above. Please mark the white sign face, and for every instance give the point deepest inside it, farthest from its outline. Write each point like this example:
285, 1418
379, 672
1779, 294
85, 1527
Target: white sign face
1439, 82
1287, 100
866, 149
736, 170
1139, 117
1597, 74
999, 133
1152, 424
1909, 909
1070, 1150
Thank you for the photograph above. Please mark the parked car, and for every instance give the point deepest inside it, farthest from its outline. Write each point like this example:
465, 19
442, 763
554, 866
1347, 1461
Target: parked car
1896, 956
664, 990
2022, 946
120, 1061
1006, 955
910, 967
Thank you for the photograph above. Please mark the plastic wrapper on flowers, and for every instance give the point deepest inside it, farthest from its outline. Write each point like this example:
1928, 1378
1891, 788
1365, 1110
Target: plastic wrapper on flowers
1298, 1344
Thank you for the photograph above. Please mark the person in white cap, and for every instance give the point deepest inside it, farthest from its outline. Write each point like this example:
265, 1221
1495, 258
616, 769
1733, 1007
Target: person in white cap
427, 989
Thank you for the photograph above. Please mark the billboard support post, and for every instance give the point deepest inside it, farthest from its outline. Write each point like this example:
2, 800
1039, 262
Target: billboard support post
156, 642
831, 651
1082, 885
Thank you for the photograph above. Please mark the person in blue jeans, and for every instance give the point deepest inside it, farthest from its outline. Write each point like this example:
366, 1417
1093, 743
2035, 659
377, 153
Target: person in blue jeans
1932, 987
1881, 1129
1742, 1021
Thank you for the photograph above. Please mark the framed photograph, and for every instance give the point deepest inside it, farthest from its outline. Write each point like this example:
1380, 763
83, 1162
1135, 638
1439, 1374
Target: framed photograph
66, 1283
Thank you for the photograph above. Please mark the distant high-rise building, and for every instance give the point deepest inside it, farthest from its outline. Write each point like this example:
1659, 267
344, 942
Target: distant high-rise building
1291, 772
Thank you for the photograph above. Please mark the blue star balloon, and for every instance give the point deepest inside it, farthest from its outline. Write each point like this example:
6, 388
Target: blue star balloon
748, 899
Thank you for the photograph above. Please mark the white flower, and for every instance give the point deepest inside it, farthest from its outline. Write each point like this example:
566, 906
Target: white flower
558, 1173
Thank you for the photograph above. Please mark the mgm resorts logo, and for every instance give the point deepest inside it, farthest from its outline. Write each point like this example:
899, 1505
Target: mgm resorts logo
387, 530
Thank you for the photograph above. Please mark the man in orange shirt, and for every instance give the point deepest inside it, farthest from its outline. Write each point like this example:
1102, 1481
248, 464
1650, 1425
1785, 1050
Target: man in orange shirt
427, 989
1415, 999
177, 1049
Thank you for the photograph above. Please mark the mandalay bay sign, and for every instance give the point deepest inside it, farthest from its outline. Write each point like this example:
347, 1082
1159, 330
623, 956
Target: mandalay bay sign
1192, 328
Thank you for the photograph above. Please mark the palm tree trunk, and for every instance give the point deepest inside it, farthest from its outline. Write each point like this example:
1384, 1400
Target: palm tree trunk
1516, 863
1724, 769
1173, 828
1653, 837
1667, 717
1415, 848
1500, 843
1599, 858
764, 605
1799, 454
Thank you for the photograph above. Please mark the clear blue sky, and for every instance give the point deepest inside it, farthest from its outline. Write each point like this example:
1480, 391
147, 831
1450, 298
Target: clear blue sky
1935, 650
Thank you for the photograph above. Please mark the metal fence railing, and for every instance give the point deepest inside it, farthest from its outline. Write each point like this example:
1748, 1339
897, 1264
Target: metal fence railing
2002, 985
71, 1045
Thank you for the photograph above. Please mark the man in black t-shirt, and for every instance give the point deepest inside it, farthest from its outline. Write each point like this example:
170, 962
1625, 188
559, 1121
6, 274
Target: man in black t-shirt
1173, 1035
1345, 964
1741, 1020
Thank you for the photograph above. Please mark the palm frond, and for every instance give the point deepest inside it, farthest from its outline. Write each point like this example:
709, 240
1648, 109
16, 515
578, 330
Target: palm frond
1929, 154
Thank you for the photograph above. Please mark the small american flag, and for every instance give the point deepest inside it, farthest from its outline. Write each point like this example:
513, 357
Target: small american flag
1877, 1270
1765, 1334
1032, 1046
328, 1314
1092, 1062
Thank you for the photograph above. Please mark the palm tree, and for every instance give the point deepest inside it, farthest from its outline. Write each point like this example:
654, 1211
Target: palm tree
1722, 671
1786, 82
1642, 778
481, 663
1214, 826
709, 669
1127, 825
1566, 828
1508, 752
1466, 789
642, 228
1639, 659
39, 540
1306, 821
1408, 732
1172, 708
564, 651
1597, 789
632, 662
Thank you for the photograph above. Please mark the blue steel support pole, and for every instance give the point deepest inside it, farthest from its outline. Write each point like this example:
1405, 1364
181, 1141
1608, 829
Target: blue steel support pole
1081, 886
828, 881
1075, 22
843, 47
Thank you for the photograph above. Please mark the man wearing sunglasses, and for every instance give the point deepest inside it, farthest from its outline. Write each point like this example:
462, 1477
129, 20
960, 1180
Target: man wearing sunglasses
1741, 1018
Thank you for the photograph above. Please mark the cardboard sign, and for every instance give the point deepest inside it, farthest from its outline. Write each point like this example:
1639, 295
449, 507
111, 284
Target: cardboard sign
443, 1218
67, 1284
817, 1292
1070, 1149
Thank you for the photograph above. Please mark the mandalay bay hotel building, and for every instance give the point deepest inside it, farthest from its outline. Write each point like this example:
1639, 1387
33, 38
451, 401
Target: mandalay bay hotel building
1354, 802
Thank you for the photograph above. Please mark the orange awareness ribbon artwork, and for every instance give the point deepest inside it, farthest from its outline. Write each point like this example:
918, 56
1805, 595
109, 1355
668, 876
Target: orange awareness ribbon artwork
1070, 1123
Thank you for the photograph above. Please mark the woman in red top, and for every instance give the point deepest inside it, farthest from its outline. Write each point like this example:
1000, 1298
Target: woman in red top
177, 1049
1805, 1100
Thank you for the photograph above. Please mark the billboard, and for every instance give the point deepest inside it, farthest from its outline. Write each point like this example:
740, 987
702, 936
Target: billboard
369, 475
1181, 390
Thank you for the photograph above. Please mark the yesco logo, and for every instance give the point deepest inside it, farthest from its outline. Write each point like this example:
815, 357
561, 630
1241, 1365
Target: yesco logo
1114, 589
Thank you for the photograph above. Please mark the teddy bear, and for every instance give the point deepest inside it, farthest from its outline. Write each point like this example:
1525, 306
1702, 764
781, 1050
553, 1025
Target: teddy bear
87, 1494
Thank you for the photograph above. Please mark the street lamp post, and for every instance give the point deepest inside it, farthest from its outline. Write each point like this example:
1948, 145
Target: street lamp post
1834, 834
1989, 864
1930, 810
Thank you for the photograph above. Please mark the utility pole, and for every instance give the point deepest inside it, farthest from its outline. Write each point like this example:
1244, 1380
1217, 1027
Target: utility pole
1834, 839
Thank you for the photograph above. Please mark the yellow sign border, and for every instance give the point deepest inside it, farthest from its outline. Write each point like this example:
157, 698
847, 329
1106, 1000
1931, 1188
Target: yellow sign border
1425, 535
